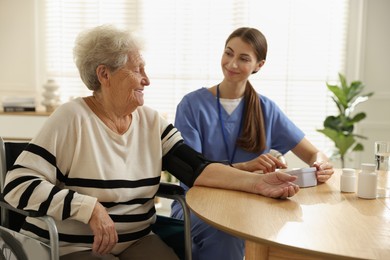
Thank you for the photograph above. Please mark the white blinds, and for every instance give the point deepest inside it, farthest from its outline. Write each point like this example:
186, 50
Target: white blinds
64, 19
184, 41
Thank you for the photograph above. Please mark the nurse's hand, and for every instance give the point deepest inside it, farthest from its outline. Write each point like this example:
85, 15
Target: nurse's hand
262, 164
324, 170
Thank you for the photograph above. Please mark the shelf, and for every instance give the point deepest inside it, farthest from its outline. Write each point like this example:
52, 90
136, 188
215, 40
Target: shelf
21, 126
26, 113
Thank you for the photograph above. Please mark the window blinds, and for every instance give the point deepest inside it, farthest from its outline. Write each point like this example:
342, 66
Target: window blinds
184, 41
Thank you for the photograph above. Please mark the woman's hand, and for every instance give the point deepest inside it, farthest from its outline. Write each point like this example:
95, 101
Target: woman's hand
103, 228
264, 163
324, 170
277, 185
312, 156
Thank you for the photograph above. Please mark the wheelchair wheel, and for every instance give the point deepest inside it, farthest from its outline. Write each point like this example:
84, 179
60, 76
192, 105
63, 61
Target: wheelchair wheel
10, 247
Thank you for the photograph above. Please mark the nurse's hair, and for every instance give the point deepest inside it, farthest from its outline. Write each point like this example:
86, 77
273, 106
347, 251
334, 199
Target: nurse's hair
253, 137
102, 45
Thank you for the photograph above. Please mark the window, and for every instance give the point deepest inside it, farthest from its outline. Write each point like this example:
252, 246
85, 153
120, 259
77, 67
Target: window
184, 41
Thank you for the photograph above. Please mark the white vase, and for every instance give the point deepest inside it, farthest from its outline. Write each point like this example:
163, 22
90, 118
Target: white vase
51, 95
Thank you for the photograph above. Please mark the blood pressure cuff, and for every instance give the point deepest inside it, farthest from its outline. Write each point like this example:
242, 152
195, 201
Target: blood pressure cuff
184, 163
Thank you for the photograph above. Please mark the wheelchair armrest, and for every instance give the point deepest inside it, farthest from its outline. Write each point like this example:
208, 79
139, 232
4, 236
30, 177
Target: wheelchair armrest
49, 221
167, 190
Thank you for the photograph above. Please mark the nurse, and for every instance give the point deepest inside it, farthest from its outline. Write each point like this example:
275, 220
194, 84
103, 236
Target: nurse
231, 122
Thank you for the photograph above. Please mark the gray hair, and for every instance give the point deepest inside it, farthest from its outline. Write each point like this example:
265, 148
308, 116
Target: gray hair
102, 45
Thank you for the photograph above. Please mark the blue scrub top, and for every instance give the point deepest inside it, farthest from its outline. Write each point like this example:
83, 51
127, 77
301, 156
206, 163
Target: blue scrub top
197, 120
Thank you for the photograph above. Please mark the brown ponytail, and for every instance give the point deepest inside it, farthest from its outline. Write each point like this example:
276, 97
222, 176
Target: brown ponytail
252, 138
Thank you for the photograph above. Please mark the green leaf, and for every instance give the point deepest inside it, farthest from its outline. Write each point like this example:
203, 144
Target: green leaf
358, 117
342, 99
332, 122
342, 142
339, 106
343, 82
358, 147
354, 90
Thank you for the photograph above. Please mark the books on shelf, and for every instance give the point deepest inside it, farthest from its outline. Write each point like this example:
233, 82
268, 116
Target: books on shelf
18, 104
18, 109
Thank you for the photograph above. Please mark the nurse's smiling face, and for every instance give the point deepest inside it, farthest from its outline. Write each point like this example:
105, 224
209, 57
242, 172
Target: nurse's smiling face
239, 60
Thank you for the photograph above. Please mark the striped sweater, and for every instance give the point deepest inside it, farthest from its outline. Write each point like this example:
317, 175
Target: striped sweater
77, 160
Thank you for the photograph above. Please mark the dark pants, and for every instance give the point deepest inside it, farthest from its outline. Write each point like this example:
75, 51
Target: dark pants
148, 247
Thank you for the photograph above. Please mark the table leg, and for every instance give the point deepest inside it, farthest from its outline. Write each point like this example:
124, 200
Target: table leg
255, 251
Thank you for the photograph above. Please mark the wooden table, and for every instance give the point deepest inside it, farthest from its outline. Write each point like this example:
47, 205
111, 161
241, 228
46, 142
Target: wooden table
317, 223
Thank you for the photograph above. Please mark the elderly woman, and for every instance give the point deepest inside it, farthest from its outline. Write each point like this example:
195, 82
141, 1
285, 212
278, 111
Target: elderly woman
95, 166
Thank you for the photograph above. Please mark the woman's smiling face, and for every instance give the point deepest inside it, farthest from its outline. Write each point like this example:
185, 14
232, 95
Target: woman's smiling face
238, 60
129, 82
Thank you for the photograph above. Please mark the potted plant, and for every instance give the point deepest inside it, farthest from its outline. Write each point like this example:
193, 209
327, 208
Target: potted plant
340, 128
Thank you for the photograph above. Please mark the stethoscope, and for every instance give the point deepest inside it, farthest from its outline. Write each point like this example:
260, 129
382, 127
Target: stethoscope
230, 159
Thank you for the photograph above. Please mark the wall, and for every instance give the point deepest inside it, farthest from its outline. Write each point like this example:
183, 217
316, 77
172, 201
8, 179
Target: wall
369, 61
375, 73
